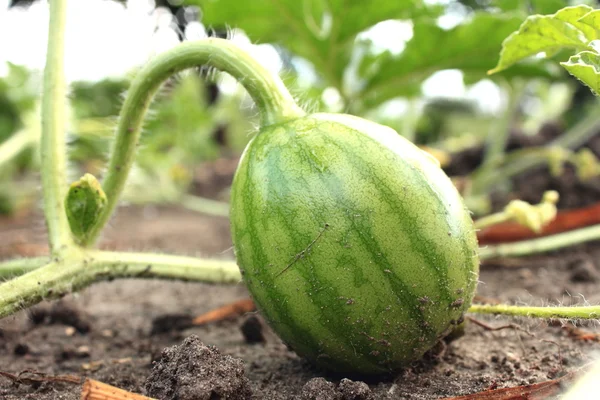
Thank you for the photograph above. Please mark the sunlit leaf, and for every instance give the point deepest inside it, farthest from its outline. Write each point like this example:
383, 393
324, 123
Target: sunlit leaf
585, 66
592, 19
322, 31
545, 34
472, 47
573, 15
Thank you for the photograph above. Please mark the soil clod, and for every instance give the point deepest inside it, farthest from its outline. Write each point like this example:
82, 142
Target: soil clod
352, 390
252, 330
320, 389
194, 371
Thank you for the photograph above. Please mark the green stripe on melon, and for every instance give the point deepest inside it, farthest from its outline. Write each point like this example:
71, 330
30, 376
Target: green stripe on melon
354, 244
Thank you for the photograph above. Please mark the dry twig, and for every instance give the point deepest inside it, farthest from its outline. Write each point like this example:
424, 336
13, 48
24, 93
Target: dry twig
96, 390
35, 378
536, 391
228, 311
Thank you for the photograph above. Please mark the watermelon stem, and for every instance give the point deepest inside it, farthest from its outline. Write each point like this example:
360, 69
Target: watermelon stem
550, 312
272, 98
53, 146
540, 245
499, 132
46, 279
49, 278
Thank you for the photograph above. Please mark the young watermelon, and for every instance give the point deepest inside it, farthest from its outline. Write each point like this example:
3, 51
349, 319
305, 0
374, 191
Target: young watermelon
355, 245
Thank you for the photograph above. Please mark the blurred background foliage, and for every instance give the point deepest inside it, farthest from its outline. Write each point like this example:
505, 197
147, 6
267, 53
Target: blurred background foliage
387, 60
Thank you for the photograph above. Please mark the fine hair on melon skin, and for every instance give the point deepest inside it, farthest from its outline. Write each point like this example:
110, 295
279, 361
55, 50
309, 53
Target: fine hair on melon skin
355, 245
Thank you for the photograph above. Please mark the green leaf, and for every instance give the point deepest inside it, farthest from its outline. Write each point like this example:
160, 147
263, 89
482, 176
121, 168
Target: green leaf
585, 66
84, 202
471, 47
322, 31
546, 33
573, 16
592, 19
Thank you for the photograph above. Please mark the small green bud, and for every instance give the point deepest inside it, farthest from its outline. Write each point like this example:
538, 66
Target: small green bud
84, 202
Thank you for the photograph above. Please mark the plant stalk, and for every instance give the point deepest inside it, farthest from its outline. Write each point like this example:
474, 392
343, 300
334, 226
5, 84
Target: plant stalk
499, 132
543, 244
550, 312
272, 98
80, 268
53, 148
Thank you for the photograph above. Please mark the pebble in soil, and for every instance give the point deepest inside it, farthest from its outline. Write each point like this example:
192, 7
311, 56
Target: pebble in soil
194, 371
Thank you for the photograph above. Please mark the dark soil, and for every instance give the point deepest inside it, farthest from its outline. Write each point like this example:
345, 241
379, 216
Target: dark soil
116, 332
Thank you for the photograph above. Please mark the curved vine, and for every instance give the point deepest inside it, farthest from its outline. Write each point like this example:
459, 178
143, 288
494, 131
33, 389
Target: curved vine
273, 100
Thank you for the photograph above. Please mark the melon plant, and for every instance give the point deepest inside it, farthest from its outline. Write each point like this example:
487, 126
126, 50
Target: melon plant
355, 245
353, 242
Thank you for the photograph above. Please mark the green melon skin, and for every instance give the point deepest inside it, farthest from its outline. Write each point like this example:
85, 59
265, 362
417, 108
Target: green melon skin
354, 244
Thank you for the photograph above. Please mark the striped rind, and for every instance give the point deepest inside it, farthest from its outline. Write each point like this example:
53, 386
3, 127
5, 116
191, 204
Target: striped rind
356, 247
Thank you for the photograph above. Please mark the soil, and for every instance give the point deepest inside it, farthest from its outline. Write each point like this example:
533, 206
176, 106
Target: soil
116, 332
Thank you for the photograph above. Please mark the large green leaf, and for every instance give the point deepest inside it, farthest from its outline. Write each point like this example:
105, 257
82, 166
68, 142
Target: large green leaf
472, 47
548, 34
322, 31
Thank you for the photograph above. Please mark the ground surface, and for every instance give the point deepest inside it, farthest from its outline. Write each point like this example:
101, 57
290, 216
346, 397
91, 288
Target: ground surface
113, 339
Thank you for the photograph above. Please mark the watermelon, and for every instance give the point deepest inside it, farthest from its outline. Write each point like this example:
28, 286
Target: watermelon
354, 244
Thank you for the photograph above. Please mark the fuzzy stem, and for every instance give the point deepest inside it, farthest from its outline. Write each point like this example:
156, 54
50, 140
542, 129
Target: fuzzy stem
272, 98
53, 148
20, 266
78, 269
550, 312
541, 245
